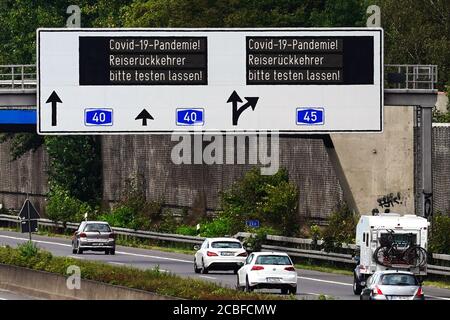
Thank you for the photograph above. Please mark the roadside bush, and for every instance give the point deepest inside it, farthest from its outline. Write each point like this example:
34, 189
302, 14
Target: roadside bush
440, 234
28, 249
134, 211
61, 206
258, 237
218, 227
187, 230
341, 228
270, 199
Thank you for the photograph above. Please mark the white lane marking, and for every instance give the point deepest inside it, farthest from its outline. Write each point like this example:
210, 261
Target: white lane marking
3, 299
327, 281
206, 277
77, 257
118, 263
120, 252
154, 257
440, 298
38, 241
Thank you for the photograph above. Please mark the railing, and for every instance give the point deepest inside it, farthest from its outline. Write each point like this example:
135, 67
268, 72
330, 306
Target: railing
285, 244
17, 77
410, 77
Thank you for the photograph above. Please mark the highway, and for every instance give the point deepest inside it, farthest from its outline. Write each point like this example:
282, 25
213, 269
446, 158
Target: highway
311, 283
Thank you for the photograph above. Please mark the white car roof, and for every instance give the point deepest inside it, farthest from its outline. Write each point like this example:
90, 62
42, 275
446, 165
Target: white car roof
222, 239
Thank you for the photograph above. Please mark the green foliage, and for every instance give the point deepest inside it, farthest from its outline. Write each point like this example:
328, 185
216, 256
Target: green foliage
439, 241
187, 230
218, 227
134, 211
341, 228
270, 199
75, 166
152, 280
243, 13
441, 117
61, 206
258, 237
21, 143
417, 32
28, 249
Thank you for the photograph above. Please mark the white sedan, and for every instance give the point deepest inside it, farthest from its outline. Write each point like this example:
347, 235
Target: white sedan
268, 270
219, 254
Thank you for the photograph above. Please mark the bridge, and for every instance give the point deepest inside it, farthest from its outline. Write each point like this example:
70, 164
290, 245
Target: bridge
405, 85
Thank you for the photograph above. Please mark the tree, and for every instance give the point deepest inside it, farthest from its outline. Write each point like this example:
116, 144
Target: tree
243, 13
418, 32
75, 166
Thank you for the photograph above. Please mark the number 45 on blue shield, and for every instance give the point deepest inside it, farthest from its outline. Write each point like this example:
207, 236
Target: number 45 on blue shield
310, 116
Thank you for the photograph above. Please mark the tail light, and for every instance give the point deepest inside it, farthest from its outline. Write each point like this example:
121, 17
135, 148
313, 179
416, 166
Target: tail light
419, 292
243, 254
211, 254
82, 235
289, 269
256, 268
377, 291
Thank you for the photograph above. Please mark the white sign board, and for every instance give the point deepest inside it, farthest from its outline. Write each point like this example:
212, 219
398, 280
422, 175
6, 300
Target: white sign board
127, 81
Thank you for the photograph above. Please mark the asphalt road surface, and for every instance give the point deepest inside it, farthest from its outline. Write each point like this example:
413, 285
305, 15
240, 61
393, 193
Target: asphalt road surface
311, 284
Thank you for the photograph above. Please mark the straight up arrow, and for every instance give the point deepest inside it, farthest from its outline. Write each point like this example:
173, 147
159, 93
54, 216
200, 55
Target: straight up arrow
54, 99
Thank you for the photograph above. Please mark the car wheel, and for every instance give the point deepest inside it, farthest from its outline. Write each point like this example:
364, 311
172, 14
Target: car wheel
196, 270
235, 271
357, 288
79, 251
107, 252
112, 251
248, 288
293, 290
284, 291
204, 269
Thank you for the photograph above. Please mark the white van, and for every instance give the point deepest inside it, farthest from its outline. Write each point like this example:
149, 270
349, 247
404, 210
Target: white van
392, 234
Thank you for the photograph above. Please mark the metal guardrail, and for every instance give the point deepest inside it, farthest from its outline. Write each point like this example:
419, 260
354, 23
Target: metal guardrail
292, 251
17, 77
410, 77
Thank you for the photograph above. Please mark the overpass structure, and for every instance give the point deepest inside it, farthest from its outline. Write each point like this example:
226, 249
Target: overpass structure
405, 85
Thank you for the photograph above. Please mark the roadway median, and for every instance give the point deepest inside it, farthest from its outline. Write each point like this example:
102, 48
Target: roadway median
39, 273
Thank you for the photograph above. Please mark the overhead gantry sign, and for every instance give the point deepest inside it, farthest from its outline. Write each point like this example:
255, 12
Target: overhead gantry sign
103, 81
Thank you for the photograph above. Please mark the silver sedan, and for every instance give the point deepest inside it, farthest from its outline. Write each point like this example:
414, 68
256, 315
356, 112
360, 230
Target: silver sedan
392, 285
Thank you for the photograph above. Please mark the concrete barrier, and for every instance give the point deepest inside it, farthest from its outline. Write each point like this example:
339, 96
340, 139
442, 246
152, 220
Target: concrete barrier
47, 285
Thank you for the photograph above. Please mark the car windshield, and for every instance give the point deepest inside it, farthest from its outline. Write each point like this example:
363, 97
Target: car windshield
97, 227
274, 260
399, 280
226, 245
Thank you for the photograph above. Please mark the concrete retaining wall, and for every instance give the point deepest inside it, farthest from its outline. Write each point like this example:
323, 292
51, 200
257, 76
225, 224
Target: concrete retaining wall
46, 285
